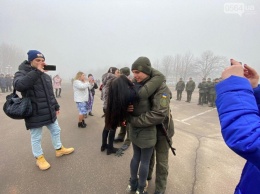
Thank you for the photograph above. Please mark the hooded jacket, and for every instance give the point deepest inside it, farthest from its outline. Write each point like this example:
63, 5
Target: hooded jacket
38, 87
238, 108
151, 110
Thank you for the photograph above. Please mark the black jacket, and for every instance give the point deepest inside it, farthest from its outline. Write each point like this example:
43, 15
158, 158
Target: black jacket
38, 87
93, 89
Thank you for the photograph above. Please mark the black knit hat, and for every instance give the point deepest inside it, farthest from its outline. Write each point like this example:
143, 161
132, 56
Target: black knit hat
142, 64
125, 71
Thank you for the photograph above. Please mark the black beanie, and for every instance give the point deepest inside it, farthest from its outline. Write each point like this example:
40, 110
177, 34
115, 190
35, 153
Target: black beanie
125, 71
142, 64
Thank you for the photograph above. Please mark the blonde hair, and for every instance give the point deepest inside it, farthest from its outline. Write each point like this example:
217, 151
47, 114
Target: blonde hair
78, 75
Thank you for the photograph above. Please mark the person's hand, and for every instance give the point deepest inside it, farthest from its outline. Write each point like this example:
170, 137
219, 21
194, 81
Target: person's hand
40, 67
91, 79
251, 75
130, 108
235, 69
123, 124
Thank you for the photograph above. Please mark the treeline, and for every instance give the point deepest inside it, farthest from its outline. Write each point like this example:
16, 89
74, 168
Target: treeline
186, 65
10, 58
173, 67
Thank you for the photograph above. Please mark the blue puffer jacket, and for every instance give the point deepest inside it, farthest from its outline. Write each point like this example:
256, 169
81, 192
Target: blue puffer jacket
238, 108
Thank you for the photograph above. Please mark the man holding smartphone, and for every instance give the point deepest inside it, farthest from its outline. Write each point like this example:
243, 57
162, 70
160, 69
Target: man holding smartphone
33, 83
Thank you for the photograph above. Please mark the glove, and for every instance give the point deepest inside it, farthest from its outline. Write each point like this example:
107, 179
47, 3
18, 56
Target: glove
119, 152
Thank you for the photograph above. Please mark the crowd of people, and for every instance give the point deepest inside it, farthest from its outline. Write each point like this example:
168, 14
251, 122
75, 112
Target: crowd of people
6, 82
141, 108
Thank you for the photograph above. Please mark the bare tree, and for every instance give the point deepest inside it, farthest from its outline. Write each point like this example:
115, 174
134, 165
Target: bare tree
10, 58
186, 67
156, 64
176, 68
167, 63
209, 64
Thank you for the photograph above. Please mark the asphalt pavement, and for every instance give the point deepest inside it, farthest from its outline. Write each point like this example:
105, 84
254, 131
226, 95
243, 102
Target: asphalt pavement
203, 164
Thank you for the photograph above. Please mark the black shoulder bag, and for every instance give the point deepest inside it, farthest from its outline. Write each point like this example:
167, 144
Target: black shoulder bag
16, 107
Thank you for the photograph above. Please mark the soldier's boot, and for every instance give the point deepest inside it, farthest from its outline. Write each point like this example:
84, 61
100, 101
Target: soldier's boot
132, 187
111, 137
158, 192
64, 151
42, 163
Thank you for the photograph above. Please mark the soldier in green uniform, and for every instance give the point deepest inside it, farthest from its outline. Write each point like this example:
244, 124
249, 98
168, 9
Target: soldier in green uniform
212, 93
156, 79
151, 109
179, 88
159, 113
190, 86
207, 95
202, 91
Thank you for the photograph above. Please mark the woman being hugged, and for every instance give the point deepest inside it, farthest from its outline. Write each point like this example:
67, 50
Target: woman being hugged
108, 132
81, 87
138, 98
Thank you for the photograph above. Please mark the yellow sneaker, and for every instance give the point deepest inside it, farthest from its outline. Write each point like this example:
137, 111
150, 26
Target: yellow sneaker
63, 151
42, 163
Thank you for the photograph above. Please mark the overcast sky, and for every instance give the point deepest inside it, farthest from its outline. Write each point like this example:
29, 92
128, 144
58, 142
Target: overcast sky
92, 34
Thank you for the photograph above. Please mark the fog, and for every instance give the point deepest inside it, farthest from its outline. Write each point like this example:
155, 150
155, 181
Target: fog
92, 35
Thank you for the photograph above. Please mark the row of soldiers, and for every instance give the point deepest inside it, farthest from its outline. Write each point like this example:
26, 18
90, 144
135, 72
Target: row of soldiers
6, 82
207, 93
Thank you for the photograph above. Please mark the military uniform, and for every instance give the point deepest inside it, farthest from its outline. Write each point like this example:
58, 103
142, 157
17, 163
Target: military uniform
160, 113
143, 124
156, 79
190, 86
212, 93
202, 91
180, 87
207, 96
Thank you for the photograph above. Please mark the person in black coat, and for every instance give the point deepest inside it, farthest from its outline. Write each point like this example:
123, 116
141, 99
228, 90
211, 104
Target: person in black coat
32, 81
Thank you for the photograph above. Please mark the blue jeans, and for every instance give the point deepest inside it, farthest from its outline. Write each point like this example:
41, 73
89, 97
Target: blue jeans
36, 137
140, 162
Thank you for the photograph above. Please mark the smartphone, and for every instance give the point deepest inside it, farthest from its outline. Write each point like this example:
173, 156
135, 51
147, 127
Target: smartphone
239, 62
50, 67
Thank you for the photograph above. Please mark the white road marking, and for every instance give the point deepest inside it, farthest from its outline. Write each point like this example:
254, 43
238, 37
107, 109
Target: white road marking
202, 113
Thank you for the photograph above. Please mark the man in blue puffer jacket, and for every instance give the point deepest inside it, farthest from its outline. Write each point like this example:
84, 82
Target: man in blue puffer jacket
238, 104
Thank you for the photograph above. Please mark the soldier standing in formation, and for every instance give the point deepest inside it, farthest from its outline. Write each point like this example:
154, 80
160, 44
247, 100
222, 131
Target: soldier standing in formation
180, 87
212, 93
202, 91
190, 86
207, 95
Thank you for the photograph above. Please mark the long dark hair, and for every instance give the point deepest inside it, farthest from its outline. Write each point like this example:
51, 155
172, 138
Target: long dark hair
120, 95
112, 70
